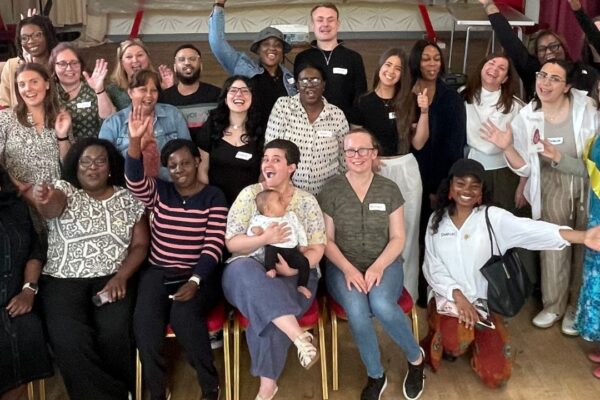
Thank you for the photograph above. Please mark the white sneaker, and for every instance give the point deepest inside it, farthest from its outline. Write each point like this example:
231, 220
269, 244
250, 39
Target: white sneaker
568, 322
545, 319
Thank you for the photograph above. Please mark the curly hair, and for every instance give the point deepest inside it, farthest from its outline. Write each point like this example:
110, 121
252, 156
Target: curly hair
51, 104
45, 25
116, 163
444, 203
219, 116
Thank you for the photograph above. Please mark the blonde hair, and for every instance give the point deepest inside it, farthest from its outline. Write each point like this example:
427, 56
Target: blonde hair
119, 76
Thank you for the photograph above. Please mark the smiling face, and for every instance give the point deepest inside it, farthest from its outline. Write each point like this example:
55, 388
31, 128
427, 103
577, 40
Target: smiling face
270, 52
311, 92
134, 58
67, 67
32, 88
391, 71
325, 24
93, 169
188, 66
239, 96
494, 73
275, 169
354, 145
183, 169
145, 96
431, 63
548, 48
552, 86
33, 40
466, 191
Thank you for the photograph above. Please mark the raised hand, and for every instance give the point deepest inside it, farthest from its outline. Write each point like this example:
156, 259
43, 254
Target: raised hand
96, 80
575, 4
62, 125
138, 124
423, 101
30, 13
167, 78
493, 134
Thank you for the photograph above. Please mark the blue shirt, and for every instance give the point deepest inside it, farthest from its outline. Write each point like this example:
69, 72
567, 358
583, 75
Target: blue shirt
168, 124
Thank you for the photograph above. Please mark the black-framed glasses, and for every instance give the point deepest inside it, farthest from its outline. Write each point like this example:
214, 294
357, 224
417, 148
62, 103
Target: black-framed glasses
363, 151
75, 64
243, 90
309, 82
184, 59
35, 36
552, 47
543, 76
98, 162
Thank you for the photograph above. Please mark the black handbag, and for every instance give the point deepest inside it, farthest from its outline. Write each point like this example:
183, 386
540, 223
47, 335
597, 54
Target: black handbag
508, 282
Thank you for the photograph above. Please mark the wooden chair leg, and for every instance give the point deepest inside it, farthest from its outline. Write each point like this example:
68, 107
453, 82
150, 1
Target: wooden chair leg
236, 359
226, 355
42, 387
323, 356
30, 392
415, 323
334, 351
138, 376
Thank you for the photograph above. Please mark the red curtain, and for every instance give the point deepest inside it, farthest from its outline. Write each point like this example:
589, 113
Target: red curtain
559, 16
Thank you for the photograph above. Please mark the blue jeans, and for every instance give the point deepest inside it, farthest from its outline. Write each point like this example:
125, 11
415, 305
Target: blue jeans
381, 302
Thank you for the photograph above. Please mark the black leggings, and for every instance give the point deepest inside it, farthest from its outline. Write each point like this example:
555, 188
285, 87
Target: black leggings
293, 257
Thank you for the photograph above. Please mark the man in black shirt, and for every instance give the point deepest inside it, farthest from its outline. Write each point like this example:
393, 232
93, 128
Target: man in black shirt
193, 97
344, 68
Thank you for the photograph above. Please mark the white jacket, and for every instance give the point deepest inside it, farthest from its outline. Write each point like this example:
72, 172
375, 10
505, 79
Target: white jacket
585, 126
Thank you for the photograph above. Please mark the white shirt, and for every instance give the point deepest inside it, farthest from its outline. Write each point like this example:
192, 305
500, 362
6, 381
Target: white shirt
454, 256
297, 233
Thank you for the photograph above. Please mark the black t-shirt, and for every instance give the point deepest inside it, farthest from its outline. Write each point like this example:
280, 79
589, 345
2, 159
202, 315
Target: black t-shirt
377, 115
206, 93
267, 90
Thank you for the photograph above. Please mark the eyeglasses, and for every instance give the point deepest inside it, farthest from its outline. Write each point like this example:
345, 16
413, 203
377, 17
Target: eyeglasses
309, 82
98, 162
190, 59
363, 151
543, 76
552, 48
35, 36
243, 90
75, 64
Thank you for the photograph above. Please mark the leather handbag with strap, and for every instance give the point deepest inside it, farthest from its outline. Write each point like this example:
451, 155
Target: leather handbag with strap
508, 282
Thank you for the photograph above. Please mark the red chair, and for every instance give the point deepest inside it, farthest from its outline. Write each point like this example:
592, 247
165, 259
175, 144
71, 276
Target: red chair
311, 319
337, 311
216, 320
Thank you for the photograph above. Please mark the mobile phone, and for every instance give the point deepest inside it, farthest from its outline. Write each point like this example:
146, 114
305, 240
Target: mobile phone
173, 285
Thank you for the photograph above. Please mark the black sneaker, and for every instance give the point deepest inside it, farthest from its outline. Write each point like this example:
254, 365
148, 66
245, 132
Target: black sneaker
414, 381
216, 340
374, 388
212, 395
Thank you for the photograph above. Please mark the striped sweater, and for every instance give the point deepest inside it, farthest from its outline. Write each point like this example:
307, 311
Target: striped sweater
184, 234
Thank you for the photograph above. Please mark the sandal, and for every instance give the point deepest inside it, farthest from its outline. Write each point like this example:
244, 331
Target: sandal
259, 397
307, 352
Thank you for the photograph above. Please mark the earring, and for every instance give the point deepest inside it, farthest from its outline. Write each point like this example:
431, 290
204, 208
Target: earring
109, 174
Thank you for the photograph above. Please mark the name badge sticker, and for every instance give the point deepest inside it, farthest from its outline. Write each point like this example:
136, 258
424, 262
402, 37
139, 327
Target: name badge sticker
392, 115
84, 104
326, 134
340, 71
242, 155
556, 140
376, 207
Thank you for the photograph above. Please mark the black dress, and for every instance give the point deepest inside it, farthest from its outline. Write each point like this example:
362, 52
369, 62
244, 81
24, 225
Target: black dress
23, 351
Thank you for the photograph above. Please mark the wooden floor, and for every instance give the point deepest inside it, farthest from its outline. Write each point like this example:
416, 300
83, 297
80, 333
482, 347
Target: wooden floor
547, 365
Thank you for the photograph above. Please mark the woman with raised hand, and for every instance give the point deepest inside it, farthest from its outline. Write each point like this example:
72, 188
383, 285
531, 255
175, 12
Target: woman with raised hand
97, 240
545, 143
80, 93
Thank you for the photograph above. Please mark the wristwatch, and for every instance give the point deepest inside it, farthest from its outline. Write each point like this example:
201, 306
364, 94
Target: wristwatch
195, 279
31, 286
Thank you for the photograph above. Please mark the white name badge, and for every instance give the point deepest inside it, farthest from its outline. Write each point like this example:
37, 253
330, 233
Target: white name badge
84, 104
325, 133
392, 115
340, 71
291, 80
376, 207
242, 155
556, 140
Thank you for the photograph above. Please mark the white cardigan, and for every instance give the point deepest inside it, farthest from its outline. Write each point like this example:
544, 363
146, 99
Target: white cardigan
453, 256
585, 126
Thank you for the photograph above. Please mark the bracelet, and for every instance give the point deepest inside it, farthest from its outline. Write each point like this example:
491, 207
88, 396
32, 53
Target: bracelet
100, 92
62, 139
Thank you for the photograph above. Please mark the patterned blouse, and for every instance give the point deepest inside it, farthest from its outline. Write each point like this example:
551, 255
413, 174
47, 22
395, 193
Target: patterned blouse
84, 111
321, 143
303, 204
91, 237
29, 156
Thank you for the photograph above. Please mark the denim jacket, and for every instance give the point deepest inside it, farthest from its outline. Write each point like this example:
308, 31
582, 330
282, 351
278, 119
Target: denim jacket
237, 62
168, 124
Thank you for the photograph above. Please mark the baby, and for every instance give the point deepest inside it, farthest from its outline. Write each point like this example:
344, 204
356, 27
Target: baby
271, 210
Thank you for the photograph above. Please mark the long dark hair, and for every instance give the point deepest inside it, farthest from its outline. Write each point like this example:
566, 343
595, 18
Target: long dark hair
445, 203
569, 69
116, 164
414, 59
472, 92
45, 25
51, 105
220, 114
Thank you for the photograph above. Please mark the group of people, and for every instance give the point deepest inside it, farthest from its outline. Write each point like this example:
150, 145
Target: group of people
123, 211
